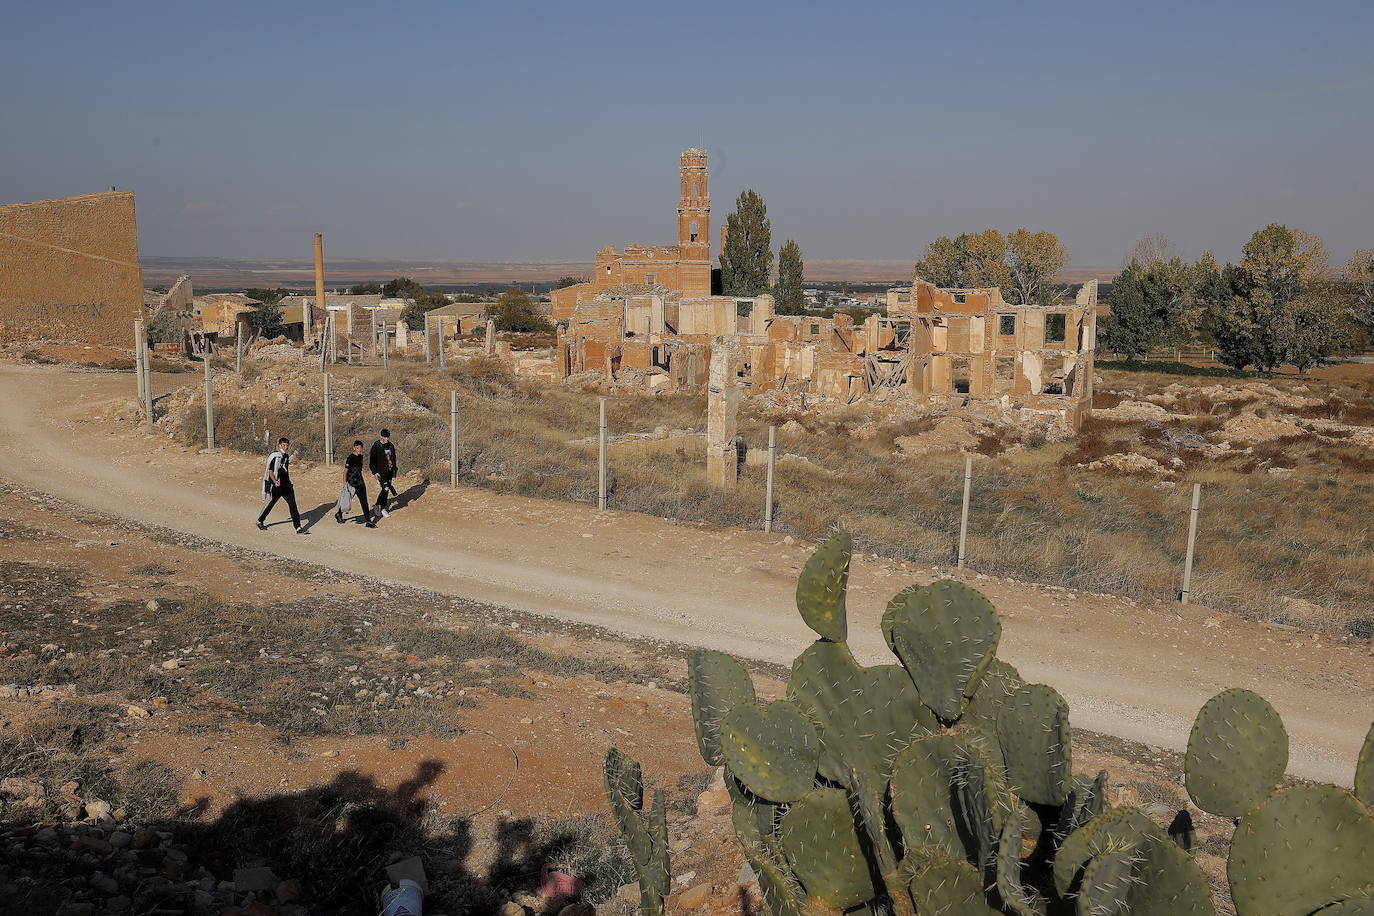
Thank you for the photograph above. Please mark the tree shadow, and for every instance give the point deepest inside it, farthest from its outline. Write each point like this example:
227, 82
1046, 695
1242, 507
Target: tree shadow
337, 838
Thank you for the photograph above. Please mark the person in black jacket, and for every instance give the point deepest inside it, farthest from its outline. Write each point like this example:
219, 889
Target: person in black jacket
353, 479
382, 463
276, 484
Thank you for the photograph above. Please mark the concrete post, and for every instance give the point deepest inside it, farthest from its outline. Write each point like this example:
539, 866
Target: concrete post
348, 348
601, 469
238, 350
386, 350
453, 438
209, 401
768, 489
328, 422
147, 383
324, 332
372, 314
722, 412
1186, 593
138, 357
491, 337
443, 347
309, 317
428, 358
963, 516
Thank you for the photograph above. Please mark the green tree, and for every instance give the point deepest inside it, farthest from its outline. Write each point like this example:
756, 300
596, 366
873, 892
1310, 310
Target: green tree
514, 310
420, 304
565, 282
166, 327
402, 288
1277, 307
968, 261
1360, 271
365, 289
1157, 303
266, 319
790, 298
747, 258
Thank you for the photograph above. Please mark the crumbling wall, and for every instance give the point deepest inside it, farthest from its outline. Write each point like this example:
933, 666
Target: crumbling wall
69, 269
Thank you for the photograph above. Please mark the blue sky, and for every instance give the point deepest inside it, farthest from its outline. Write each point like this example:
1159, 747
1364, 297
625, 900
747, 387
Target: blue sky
545, 130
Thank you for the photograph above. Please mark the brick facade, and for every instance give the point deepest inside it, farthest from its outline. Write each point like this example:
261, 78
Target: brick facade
69, 269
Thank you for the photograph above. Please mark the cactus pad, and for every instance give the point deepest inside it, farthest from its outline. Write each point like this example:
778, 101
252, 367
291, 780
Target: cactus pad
772, 751
1033, 732
1010, 888
1237, 752
821, 588
945, 635
922, 793
1116, 829
949, 888
1087, 800
864, 716
1150, 877
822, 846
718, 683
1299, 850
645, 832
1364, 771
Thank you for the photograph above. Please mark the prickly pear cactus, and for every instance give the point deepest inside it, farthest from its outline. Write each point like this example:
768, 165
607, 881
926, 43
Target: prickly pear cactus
1299, 850
718, 684
1010, 848
1116, 829
822, 845
1148, 877
1237, 752
1086, 801
922, 800
645, 832
821, 588
1364, 771
949, 887
772, 751
864, 716
945, 635
1033, 731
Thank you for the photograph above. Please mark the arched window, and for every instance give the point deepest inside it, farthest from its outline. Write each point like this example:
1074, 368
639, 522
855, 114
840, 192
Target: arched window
694, 231
694, 189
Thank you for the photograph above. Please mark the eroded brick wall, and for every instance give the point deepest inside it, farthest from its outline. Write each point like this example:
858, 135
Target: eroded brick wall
69, 269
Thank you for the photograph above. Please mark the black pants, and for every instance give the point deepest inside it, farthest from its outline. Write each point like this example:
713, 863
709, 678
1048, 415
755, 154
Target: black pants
360, 491
287, 493
383, 485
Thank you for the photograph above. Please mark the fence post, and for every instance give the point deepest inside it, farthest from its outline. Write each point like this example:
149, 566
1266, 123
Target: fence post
601, 478
963, 516
386, 350
453, 438
428, 358
443, 364
238, 350
138, 356
324, 330
1186, 592
348, 347
328, 422
768, 489
147, 370
209, 400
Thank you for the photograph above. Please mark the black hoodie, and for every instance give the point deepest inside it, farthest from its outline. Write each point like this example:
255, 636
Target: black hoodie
382, 460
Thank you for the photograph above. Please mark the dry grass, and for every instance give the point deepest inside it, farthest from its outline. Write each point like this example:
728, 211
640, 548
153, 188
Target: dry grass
1265, 540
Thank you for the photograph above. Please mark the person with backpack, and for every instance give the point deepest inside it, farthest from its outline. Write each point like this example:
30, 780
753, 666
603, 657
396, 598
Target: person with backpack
354, 485
382, 463
276, 484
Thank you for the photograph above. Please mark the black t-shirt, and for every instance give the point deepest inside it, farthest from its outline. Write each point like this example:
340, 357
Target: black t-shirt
353, 467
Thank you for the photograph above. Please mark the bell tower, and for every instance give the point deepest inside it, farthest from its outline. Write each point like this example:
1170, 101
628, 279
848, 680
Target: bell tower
694, 208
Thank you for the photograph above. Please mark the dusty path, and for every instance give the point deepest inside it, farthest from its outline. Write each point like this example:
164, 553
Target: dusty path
1137, 672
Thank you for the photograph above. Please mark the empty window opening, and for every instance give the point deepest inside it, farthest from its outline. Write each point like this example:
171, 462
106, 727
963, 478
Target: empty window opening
815, 329
650, 278
1056, 375
1006, 325
744, 307
694, 231
694, 189
960, 376
1054, 328
960, 298
608, 270
1004, 372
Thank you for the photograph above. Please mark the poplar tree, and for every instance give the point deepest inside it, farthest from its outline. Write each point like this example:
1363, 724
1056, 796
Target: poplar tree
790, 298
747, 258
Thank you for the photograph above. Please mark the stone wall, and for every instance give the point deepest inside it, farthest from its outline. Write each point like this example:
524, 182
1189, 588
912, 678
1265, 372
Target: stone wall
69, 269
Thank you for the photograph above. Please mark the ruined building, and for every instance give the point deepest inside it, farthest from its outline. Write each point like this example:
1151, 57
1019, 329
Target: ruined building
647, 316
684, 268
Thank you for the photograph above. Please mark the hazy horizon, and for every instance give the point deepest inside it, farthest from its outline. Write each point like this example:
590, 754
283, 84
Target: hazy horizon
541, 132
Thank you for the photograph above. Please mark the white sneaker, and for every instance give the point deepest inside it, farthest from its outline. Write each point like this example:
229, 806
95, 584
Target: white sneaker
385, 513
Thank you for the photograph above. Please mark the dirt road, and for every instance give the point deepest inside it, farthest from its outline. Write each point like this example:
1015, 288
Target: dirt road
1135, 671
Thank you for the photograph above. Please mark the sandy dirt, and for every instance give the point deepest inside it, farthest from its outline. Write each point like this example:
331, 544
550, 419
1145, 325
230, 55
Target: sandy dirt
1131, 670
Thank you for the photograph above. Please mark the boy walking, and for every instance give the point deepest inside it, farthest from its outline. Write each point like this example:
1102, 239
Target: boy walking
353, 480
382, 463
276, 484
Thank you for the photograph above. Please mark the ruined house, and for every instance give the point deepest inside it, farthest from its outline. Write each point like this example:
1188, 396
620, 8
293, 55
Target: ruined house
647, 316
